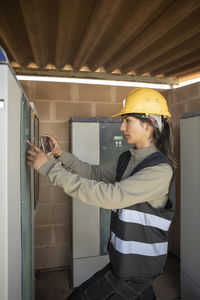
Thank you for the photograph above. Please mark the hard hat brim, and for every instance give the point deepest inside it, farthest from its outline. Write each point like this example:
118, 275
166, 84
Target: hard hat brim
117, 115
168, 115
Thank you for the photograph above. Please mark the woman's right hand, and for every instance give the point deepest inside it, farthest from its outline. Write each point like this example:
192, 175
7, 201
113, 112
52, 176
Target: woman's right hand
55, 146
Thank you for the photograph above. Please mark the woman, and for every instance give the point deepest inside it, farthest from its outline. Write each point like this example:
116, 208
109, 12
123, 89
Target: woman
139, 188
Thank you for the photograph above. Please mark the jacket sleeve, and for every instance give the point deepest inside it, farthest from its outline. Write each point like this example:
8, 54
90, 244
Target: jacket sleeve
149, 185
105, 172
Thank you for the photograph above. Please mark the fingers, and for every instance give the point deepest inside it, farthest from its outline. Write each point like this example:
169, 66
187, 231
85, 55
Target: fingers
29, 163
30, 158
51, 138
34, 146
32, 153
36, 158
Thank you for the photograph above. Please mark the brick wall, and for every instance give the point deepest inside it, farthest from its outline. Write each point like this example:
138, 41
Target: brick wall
181, 100
56, 103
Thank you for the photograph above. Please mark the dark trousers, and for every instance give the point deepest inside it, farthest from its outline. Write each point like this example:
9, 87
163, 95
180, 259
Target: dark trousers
105, 285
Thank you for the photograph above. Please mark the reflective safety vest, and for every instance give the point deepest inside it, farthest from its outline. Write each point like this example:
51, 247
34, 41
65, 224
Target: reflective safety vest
138, 242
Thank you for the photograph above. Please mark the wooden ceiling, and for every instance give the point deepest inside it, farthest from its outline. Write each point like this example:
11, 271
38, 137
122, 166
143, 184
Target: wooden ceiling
157, 38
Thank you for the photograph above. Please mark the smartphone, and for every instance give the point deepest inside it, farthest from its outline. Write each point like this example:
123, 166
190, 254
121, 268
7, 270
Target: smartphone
45, 144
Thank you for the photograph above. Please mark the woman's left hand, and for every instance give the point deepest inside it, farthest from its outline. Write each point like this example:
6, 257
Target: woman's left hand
36, 157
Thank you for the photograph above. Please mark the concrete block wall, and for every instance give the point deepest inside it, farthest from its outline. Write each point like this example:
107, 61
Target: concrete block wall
180, 100
56, 103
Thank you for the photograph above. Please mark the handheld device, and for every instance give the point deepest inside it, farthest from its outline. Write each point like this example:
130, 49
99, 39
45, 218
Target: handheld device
45, 144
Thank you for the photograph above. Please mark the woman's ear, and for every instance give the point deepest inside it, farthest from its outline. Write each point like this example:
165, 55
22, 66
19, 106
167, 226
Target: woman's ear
149, 126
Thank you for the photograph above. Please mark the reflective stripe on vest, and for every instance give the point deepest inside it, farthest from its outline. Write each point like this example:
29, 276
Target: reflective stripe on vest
133, 216
132, 247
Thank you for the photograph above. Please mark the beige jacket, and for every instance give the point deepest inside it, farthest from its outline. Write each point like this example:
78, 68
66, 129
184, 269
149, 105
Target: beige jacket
95, 185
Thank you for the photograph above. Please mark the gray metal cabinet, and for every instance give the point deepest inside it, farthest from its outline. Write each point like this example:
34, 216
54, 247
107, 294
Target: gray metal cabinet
16, 195
190, 206
95, 141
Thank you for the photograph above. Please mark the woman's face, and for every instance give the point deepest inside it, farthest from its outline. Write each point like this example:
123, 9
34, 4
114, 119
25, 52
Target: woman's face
136, 132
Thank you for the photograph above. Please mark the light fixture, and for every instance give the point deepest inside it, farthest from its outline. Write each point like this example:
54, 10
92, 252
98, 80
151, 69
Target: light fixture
107, 82
94, 81
187, 82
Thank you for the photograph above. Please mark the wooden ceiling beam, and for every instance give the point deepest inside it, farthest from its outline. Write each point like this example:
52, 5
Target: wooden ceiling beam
15, 38
95, 75
186, 69
72, 23
37, 20
177, 11
169, 41
182, 61
193, 74
182, 49
97, 27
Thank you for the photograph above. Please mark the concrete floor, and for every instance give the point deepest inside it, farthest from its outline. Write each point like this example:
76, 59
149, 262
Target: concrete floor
55, 285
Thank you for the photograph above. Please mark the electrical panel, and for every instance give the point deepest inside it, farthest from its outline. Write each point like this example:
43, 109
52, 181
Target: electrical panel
17, 183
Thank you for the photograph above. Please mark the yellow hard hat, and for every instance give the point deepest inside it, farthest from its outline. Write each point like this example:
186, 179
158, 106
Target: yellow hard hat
144, 101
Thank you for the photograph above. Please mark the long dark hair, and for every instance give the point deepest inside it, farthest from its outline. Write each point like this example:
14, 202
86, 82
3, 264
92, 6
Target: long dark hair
163, 140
